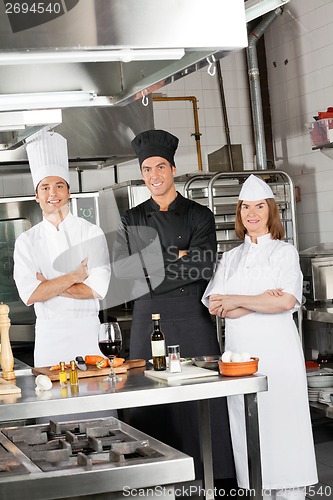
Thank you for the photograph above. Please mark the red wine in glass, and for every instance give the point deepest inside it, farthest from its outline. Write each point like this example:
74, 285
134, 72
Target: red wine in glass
109, 347
110, 342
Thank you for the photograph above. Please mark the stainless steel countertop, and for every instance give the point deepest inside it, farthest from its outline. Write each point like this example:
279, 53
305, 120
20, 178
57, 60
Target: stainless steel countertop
134, 390
322, 313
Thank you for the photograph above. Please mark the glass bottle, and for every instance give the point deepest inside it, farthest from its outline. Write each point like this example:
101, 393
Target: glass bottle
158, 345
62, 375
73, 376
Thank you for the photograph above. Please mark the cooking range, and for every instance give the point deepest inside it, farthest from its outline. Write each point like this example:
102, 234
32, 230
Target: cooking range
67, 459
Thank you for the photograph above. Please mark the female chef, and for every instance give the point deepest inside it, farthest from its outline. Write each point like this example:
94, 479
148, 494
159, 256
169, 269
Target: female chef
61, 264
256, 288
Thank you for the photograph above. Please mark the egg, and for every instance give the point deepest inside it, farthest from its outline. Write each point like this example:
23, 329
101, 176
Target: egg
245, 356
43, 383
226, 356
236, 357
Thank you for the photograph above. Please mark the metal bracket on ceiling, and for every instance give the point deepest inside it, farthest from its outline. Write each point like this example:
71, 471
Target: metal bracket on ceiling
211, 65
144, 100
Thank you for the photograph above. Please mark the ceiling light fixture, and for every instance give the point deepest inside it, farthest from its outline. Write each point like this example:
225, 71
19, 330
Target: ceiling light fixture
88, 56
51, 100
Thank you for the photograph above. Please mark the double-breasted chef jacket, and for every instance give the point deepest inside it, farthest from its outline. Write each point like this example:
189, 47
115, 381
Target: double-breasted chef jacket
184, 320
65, 327
286, 442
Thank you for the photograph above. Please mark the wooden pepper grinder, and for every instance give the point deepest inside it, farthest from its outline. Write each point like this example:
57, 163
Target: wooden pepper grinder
7, 359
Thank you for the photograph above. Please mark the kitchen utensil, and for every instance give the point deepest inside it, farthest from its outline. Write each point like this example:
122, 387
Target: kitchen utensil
79, 361
239, 369
210, 362
8, 387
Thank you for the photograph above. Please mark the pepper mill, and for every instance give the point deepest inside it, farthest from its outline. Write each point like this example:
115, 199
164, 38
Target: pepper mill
7, 359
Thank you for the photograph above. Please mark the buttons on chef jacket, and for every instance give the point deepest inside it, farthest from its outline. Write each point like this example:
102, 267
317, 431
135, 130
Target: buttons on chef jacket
181, 289
179, 236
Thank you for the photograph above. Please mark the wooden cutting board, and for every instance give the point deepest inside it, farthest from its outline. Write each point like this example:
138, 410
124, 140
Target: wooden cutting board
92, 371
8, 387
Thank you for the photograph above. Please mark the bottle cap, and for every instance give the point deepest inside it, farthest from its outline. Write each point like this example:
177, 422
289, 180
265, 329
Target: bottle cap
73, 366
62, 365
155, 316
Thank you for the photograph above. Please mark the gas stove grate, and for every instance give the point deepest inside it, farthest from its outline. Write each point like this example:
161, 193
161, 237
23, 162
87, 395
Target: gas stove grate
68, 445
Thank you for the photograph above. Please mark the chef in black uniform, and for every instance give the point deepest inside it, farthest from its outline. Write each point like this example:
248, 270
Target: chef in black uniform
172, 286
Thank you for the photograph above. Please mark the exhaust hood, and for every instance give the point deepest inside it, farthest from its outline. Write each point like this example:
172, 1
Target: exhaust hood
108, 52
84, 62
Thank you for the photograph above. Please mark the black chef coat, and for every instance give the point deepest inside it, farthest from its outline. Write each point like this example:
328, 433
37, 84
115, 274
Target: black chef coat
184, 320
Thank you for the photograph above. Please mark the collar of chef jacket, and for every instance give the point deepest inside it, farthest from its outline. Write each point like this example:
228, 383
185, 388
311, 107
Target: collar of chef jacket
173, 205
261, 240
64, 225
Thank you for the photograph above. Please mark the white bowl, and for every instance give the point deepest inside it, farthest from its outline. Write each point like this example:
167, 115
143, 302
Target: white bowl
321, 380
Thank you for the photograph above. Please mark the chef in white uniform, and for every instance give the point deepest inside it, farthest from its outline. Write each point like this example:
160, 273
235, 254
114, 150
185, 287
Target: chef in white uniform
61, 265
257, 286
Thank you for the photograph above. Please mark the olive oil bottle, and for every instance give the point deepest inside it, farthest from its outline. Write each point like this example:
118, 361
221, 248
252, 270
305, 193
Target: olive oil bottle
158, 345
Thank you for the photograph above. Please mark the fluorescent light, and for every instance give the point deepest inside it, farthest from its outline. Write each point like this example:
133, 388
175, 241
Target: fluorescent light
50, 100
19, 120
257, 8
80, 56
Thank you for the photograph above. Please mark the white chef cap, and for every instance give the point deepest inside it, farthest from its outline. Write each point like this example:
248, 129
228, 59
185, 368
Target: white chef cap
255, 189
48, 156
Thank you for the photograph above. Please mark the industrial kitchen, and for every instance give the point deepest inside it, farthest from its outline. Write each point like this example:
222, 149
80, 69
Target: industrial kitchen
166, 246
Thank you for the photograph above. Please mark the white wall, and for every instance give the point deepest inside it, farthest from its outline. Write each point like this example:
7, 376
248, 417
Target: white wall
300, 88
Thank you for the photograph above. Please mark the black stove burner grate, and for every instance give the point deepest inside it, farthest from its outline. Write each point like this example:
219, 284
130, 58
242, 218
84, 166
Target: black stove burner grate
60, 446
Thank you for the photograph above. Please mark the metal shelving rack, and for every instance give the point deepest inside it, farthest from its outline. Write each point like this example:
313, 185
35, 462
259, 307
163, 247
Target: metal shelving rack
220, 193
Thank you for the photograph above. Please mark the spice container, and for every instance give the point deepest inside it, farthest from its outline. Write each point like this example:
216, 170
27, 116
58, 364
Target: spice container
62, 375
174, 359
73, 376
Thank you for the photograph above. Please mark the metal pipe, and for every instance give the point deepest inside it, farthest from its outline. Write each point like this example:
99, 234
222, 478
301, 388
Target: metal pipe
197, 133
254, 79
225, 114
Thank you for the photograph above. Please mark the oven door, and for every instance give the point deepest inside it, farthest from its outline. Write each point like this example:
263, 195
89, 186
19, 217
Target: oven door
16, 216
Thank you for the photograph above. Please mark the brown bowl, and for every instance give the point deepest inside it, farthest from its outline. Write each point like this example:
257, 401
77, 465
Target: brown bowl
239, 369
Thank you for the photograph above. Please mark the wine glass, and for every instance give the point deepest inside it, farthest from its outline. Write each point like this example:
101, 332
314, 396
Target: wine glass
110, 342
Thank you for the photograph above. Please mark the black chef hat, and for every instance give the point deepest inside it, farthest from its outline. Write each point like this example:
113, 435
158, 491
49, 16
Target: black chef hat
155, 143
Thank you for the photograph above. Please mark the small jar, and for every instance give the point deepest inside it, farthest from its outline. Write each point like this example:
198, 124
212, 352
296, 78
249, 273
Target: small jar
174, 359
62, 375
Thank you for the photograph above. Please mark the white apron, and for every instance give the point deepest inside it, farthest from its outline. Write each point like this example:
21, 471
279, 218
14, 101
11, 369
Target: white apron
63, 340
287, 450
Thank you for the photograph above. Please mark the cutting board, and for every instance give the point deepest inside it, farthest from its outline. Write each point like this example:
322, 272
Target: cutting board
92, 371
8, 387
186, 373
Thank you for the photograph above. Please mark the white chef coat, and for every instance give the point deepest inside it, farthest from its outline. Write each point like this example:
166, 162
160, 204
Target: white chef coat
65, 327
287, 450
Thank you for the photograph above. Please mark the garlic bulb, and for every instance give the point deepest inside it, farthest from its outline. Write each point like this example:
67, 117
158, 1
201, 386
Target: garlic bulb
43, 383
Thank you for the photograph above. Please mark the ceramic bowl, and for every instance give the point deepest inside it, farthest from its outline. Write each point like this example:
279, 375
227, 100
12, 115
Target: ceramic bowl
210, 362
320, 380
239, 369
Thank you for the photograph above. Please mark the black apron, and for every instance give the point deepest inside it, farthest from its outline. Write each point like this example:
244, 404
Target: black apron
184, 321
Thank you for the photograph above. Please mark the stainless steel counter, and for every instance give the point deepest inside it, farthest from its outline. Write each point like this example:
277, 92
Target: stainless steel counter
136, 390
321, 313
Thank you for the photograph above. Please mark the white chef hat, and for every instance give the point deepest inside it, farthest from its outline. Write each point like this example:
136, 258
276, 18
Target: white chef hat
48, 156
255, 189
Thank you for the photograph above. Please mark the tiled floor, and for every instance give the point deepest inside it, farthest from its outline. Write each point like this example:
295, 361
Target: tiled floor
323, 437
